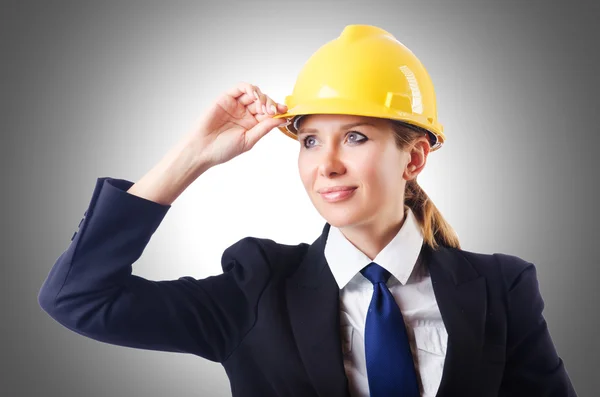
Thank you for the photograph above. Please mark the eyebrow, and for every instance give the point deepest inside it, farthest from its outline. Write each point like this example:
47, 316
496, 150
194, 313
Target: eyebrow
343, 127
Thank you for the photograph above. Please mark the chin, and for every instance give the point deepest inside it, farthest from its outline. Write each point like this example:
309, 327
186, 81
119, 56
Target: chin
342, 214
341, 217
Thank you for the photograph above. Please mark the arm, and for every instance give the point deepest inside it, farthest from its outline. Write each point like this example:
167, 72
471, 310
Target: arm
91, 289
533, 367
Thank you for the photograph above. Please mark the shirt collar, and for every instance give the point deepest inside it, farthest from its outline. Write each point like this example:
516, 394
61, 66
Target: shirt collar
398, 257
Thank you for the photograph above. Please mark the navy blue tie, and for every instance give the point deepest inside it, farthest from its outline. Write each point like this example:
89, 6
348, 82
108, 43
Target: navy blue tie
390, 368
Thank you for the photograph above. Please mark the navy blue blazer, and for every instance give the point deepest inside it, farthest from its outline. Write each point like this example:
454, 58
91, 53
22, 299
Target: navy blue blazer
272, 317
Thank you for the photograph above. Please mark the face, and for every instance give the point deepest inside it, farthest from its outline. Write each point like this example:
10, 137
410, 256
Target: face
352, 151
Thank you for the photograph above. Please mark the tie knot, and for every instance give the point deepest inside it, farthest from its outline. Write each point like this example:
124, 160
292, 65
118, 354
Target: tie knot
375, 273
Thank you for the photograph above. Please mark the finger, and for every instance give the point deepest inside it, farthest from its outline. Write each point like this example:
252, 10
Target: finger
268, 106
262, 116
270, 110
256, 107
251, 99
248, 96
262, 100
261, 129
259, 92
240, 89
246, 99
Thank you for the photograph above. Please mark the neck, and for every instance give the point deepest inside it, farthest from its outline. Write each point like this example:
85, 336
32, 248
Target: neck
372, 237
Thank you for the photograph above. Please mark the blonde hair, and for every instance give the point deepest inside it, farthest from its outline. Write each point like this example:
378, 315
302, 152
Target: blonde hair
436, 231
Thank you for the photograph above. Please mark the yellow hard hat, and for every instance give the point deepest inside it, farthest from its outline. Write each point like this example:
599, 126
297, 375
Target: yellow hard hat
365, 72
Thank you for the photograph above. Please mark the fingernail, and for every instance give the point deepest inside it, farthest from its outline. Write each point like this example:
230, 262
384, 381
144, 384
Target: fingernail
273, 109
255, 94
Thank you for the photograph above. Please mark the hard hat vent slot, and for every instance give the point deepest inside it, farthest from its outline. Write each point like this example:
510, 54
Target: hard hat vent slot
398, 101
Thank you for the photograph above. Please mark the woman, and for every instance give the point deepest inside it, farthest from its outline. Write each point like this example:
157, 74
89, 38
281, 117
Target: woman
383, 303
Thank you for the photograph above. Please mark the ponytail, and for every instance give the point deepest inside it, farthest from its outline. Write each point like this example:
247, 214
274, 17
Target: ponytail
436, 231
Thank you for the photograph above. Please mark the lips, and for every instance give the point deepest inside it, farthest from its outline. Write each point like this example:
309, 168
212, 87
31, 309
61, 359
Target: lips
338, 195
335, 189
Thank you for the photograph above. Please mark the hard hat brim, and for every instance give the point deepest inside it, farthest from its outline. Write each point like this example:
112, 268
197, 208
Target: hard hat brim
342, 106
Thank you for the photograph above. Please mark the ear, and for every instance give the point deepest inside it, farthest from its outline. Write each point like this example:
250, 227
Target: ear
418, 153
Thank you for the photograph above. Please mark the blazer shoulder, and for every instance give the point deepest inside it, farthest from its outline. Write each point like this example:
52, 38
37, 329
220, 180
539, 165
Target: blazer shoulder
510, 266
275, 258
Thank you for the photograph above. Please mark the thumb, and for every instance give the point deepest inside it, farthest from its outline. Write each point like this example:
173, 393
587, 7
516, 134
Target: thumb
261, 129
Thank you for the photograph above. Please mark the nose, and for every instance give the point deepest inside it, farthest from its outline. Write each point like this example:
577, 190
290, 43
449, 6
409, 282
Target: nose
330, 163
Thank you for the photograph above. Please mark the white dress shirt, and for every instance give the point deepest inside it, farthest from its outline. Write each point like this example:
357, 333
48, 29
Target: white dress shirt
411, 287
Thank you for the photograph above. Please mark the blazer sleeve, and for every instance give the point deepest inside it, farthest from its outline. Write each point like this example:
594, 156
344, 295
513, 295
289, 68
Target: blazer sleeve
91, 289
533, 367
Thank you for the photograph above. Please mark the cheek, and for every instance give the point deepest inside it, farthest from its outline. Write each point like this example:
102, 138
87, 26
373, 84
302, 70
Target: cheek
379, 177
369, 172
305, 174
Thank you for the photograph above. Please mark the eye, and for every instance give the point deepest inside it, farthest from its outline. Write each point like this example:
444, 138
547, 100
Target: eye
305, 139
350, 133
357, 133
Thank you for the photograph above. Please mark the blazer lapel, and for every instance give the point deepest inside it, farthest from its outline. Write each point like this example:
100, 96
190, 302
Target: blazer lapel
313, 305
314, 310
461, 296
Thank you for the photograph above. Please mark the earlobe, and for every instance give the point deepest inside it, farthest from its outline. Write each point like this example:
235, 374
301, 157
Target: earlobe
409, 169
416, 161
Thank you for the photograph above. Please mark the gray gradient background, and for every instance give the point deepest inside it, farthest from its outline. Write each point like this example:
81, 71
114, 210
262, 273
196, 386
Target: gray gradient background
95, 89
